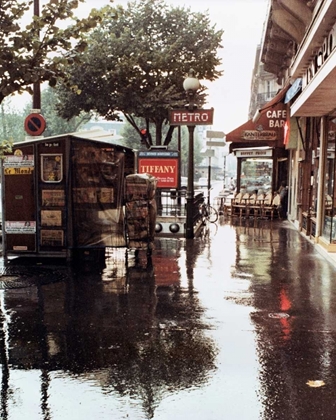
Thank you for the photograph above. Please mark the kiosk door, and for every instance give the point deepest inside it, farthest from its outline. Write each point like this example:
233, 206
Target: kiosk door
19, 228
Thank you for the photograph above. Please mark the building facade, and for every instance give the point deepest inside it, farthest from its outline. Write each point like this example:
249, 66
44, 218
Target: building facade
264, 85
299, 49
258, 143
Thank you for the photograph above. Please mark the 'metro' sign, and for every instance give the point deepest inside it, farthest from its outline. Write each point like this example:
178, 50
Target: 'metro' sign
162, 164
196, 117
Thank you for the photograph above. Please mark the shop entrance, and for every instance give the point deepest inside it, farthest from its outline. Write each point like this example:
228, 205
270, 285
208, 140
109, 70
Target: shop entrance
260, 169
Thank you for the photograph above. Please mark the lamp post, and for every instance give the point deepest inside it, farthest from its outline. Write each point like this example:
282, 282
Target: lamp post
191, 85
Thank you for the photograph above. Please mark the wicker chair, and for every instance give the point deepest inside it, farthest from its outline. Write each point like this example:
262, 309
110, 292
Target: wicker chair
240, 204
271, 206
256, 204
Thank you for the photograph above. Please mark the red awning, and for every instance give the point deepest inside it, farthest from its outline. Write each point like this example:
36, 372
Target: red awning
268, 130
278, 98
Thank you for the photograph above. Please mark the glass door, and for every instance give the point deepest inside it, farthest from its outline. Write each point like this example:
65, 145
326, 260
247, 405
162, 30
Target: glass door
329, 225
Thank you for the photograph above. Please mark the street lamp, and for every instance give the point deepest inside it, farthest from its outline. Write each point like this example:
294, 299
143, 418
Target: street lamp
191, 85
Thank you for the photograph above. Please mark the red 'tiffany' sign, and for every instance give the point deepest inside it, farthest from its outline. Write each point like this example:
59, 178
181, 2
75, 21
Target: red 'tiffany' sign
165, 170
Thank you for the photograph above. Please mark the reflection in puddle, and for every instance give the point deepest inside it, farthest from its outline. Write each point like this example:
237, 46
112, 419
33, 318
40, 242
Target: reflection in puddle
121, 337
184, 333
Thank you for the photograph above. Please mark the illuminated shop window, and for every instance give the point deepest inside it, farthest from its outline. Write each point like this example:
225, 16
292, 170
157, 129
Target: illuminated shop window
256, 175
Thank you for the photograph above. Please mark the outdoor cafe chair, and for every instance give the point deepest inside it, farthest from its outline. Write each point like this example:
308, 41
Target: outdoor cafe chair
256, 204
271, 206
250, 202
240, 204
235, 203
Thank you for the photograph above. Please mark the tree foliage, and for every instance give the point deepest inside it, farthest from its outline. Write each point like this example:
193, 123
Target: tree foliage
131, 140
11, 123
39, 51
130, 137
55, 124
12, 120
136, 64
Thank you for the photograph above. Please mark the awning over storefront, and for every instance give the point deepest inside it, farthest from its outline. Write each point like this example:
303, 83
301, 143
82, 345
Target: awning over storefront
278, 98
318, 96
268, 130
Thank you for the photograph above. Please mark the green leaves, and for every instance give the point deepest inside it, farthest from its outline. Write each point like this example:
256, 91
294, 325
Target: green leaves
136, 63
5, 147
38, 52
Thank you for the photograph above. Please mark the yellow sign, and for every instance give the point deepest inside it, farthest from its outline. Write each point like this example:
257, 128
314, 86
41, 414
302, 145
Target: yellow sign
19, 171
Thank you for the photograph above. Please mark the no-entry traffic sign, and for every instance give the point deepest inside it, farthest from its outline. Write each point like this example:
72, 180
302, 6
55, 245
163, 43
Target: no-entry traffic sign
35, 124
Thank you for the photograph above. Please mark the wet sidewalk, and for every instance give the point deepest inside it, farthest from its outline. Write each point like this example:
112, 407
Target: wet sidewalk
238, 324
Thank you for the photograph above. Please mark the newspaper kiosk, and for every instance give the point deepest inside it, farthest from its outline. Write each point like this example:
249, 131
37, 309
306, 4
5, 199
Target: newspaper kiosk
62, 194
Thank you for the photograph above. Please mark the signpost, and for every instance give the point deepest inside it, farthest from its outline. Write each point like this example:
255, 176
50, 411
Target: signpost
208, 153
35, 124
191, 117
215, 134
215, 143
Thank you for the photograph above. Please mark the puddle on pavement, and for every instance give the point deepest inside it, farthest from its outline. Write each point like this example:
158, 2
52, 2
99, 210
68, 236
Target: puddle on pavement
166, 336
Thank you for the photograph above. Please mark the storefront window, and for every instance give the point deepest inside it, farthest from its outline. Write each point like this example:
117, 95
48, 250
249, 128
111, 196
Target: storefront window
256, 174
329, 225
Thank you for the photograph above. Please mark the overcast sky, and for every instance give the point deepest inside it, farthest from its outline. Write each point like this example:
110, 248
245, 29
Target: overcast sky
242, 22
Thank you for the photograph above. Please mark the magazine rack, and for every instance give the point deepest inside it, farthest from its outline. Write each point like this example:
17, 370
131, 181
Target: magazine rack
140, 211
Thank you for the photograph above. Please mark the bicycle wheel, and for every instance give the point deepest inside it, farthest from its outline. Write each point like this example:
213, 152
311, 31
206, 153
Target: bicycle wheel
212, 214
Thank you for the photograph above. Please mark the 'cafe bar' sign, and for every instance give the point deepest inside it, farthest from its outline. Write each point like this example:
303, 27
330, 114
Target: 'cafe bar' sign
269, 127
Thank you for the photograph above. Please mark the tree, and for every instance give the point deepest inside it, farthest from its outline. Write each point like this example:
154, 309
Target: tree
136, 65
38, 52
130, 135
131, 139
12, 123
55, 124
12, 120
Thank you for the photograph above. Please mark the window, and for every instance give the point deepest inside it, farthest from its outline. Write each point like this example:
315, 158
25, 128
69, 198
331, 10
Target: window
256, 174
268, 88
52, 167
329, 225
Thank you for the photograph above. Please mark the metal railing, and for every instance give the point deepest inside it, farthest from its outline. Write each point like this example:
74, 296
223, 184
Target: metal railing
173, 203
198, 200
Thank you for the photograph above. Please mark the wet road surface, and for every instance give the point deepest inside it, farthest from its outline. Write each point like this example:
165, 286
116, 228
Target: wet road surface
239, 324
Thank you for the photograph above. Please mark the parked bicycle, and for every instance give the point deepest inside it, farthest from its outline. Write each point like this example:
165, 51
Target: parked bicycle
208, 213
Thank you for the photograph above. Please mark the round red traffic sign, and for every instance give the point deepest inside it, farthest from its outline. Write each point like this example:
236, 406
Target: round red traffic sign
35, 124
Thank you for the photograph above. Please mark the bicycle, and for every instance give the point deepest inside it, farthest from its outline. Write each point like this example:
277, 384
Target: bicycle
208, 213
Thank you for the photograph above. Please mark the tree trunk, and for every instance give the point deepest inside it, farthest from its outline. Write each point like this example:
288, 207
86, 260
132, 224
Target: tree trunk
158, 132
